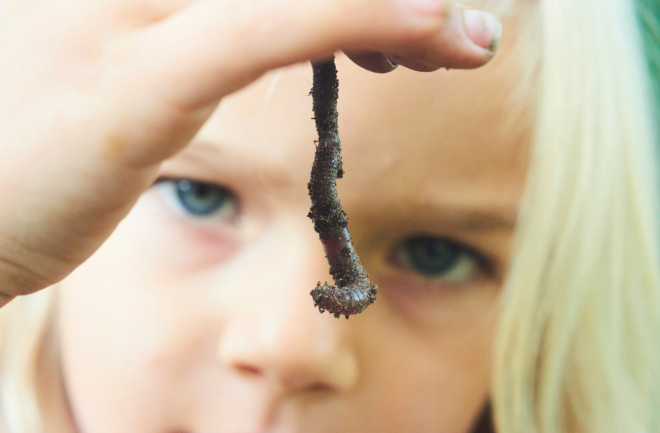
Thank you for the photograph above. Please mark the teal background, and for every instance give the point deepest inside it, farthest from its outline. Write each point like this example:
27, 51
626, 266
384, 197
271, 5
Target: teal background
648, 12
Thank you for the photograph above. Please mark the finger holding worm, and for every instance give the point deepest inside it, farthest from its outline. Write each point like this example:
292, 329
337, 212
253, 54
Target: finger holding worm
354, 291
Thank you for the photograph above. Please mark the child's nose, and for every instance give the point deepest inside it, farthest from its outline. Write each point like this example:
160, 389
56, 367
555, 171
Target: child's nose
276, 335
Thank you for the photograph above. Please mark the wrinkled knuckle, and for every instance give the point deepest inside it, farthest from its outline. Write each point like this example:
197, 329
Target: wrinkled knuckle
442, 10
433, 21
438, 10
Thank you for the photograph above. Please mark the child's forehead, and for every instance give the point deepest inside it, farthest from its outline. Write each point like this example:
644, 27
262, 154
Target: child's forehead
408, 109
405, 131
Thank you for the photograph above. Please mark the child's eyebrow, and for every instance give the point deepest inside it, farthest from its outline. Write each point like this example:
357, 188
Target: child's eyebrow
474, 208
479, 219
451, 216
223, 157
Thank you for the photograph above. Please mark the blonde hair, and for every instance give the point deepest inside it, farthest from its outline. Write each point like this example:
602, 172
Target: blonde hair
577, 347
32, 395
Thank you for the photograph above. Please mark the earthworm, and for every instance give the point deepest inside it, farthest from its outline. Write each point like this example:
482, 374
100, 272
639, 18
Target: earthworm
354, 291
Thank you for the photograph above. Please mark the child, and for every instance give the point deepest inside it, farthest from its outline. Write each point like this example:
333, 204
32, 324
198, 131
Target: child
508, 215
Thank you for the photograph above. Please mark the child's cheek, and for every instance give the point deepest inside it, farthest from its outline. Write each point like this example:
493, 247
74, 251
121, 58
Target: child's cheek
191, 249
170, 244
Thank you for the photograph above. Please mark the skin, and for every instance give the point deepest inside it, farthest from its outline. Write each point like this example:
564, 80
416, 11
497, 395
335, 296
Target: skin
185, 325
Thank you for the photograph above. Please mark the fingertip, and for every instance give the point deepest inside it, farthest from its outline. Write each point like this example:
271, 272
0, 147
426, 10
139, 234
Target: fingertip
483, 29
443, 33
373, 61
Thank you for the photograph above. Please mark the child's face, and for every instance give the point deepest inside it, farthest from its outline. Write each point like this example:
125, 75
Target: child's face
195, 317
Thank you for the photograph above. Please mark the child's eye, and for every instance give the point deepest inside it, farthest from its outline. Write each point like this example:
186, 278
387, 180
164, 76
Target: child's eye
437, 258
199, 199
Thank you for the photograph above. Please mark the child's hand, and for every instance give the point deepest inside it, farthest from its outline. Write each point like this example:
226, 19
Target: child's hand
96, 93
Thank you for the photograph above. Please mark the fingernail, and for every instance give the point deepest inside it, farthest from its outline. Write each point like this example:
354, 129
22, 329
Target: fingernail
392, 63
483, 28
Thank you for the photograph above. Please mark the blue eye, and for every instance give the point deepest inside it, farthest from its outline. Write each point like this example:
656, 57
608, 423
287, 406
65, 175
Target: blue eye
437, 258
199, 199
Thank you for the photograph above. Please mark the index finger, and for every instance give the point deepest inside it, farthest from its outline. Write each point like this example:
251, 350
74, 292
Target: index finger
468, 39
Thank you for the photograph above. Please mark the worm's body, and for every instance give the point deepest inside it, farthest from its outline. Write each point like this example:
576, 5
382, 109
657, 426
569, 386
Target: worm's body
354, 291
